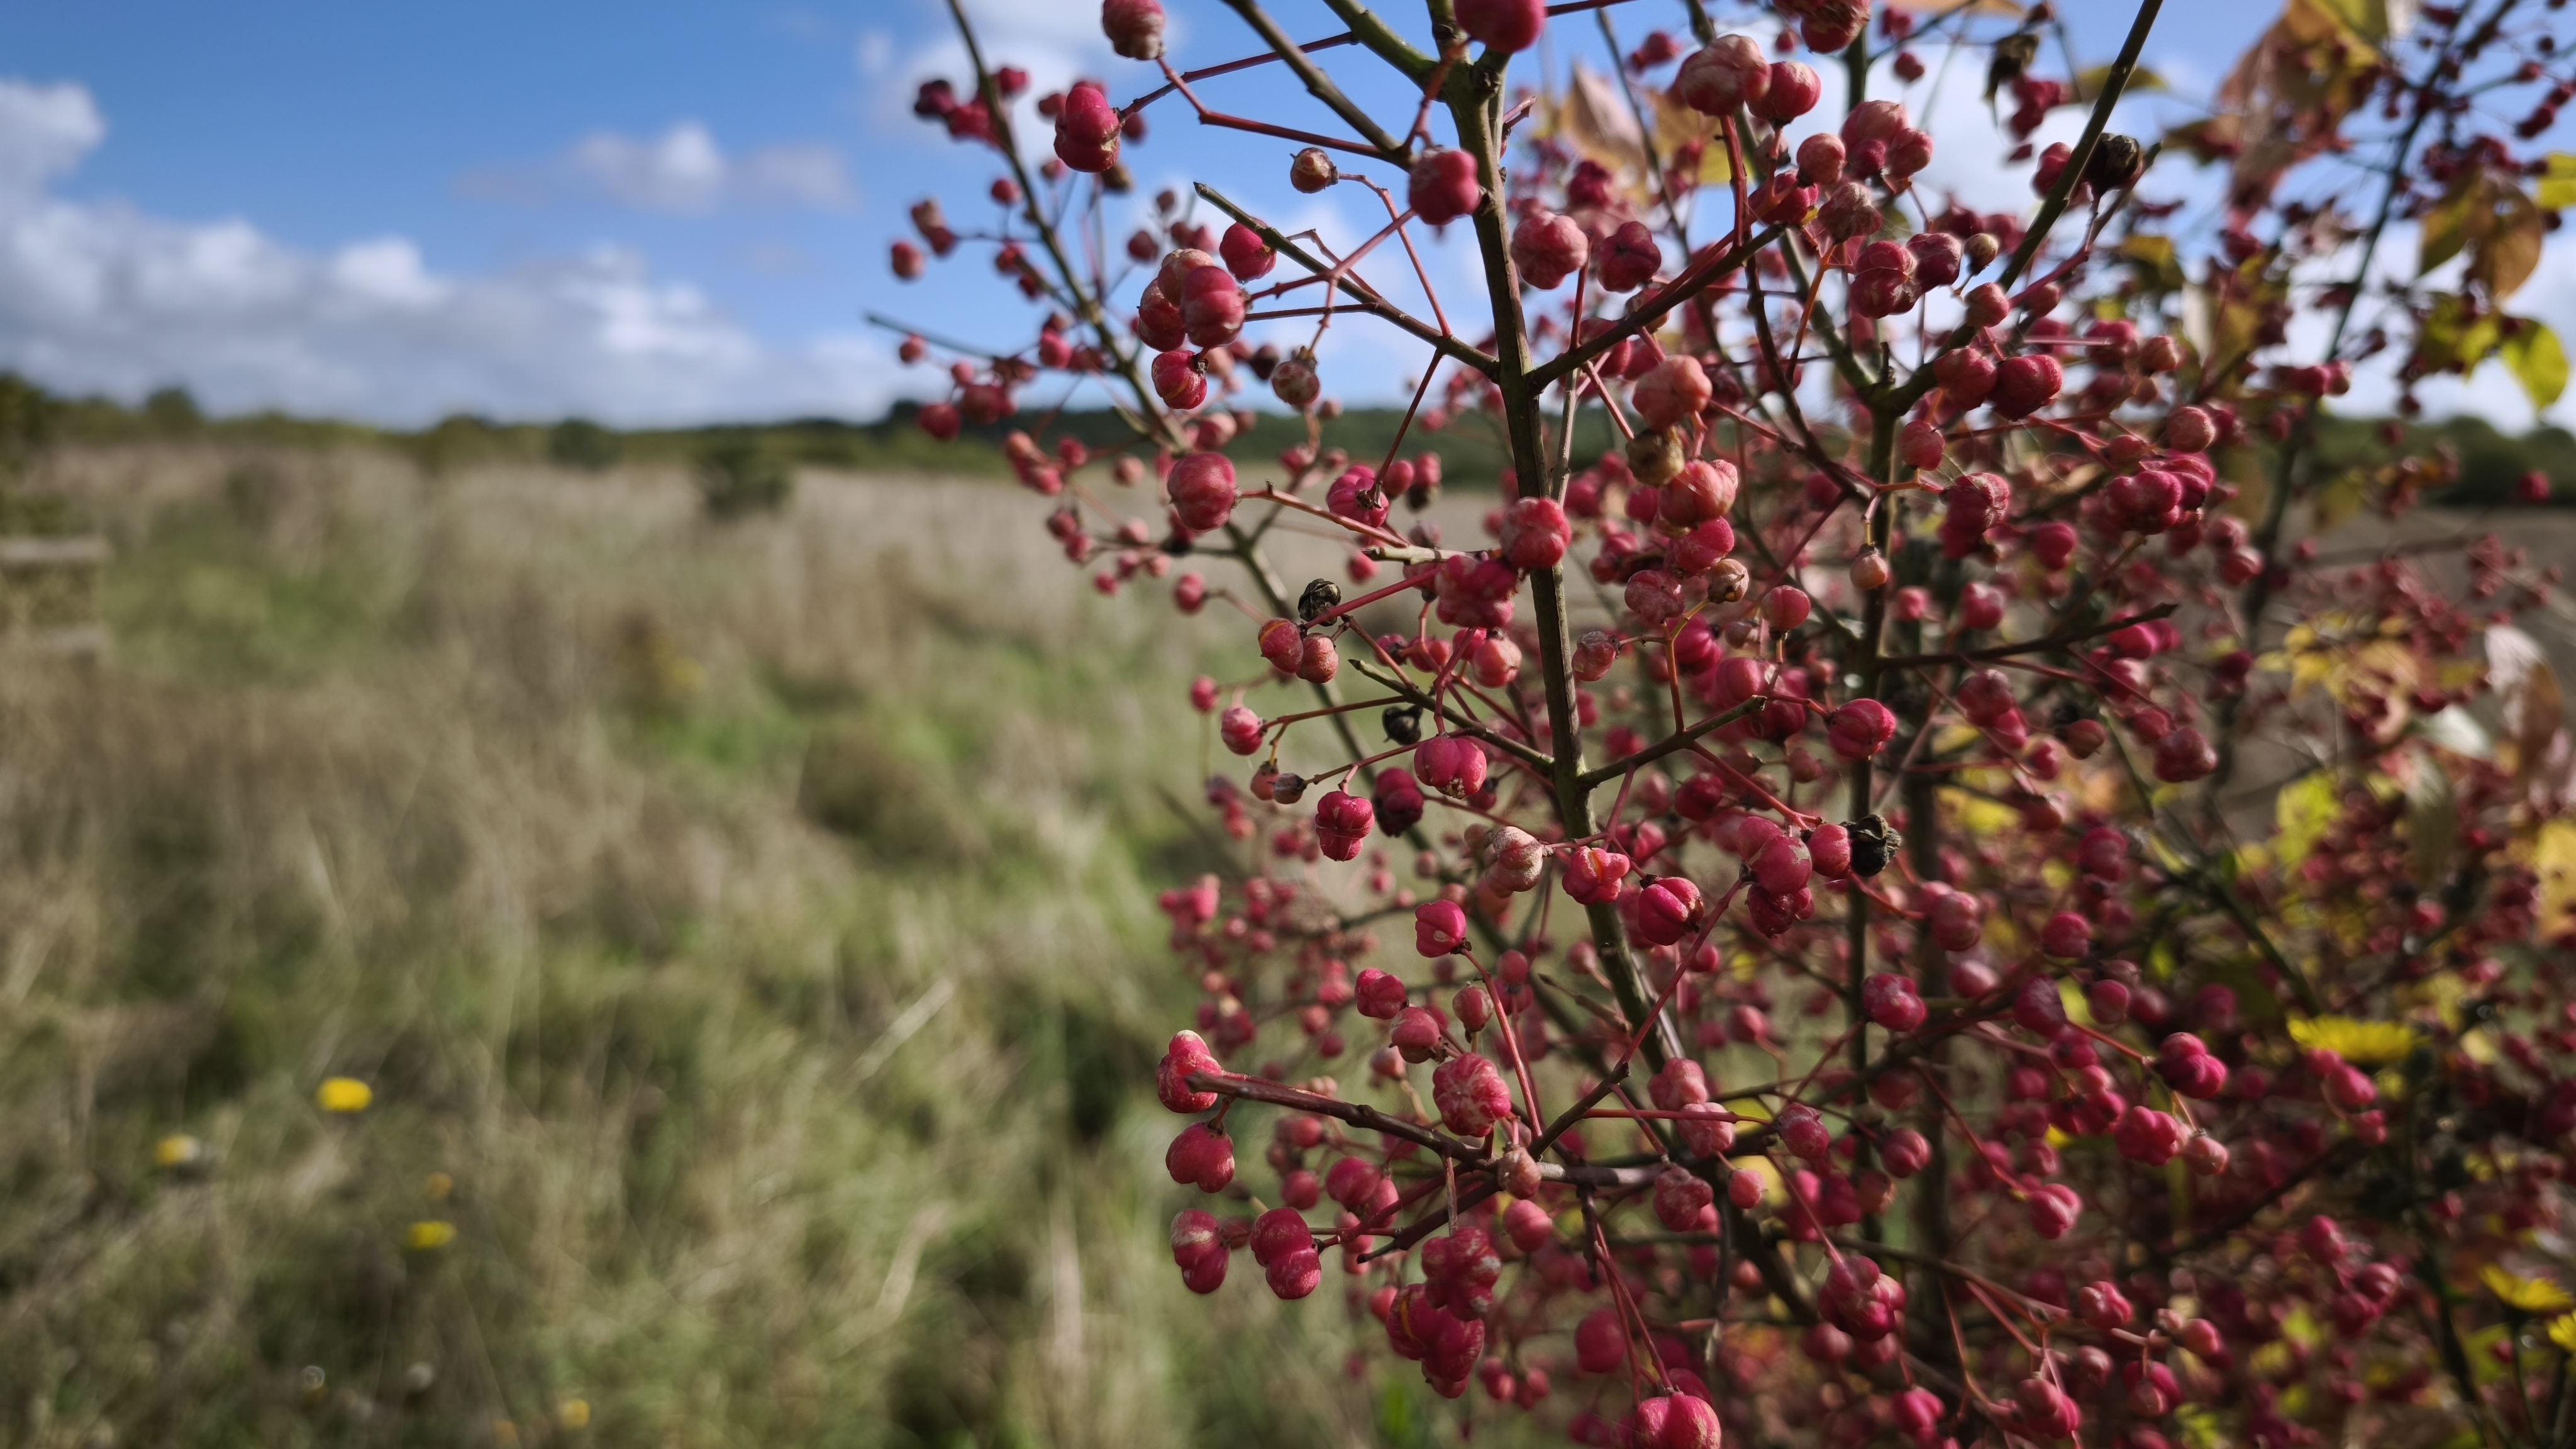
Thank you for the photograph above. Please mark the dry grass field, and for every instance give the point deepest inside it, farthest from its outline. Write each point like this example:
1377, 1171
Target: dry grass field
745, 930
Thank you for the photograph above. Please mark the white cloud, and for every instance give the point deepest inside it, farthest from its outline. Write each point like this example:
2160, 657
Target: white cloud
103, 297
682, 172
686, 172
44, 132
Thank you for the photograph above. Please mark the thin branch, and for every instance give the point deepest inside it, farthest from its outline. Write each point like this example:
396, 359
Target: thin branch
1359, 292
1321, 85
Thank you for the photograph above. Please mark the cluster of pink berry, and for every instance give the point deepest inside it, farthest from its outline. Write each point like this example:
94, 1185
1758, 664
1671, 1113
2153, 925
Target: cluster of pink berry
1937, 916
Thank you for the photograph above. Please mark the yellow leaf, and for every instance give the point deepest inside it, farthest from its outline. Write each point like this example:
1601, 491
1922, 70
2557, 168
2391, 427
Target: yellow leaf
2365, 18
2302, 813
2537, 361
2553, 859
2088, 84
344, 1095
2527, 1295
2363, 1043
2558, 182
2157, 266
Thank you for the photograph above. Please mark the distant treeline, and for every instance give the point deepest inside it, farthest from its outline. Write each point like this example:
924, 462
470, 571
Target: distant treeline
1470, 447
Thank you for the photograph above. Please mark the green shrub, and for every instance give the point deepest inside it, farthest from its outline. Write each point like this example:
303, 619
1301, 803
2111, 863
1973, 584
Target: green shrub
737, 476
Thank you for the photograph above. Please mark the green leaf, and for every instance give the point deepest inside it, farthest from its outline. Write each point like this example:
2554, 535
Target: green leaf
2537, 361
2558, 183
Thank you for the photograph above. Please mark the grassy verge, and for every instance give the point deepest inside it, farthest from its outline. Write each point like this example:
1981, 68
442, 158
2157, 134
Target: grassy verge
745, 930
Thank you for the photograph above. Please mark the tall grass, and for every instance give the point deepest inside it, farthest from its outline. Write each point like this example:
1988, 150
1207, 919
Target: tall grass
746, 930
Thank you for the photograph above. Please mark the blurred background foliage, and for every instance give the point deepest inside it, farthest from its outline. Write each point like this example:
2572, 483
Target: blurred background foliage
1471, 451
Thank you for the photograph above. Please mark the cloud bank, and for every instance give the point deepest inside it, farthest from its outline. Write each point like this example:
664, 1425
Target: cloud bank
104, 297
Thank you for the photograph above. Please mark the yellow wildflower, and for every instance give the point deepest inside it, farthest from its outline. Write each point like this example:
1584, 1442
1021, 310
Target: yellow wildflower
344, 1095
430, 1236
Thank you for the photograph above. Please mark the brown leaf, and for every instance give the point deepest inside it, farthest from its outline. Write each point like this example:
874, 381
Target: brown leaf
2527, 689
2291, 92
2506, 257
1594, 118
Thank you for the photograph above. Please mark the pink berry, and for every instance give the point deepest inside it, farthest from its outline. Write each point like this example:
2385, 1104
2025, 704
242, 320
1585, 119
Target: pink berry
1793, 91
1730, 72
1134, 27
1201, 1157
1893, 1002
2067, 936
1548, 248
1086, 129
2024, 385
1439, 928
1443, 186
1629, 258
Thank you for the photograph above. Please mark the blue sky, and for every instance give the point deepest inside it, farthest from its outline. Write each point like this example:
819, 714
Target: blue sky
656, 212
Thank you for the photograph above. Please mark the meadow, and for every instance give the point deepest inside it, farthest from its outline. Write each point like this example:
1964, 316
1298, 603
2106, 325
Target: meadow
745, 931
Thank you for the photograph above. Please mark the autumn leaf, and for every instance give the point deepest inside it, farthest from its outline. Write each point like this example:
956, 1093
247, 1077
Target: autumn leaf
1677, 126
2537, 361
2291, 91
2368, 19
2446, 229
2158, 268
1595, 119
2526, 1295
2509, 253
2452, 338
2527, 688
2088, 84
2558, 182
2364, 1043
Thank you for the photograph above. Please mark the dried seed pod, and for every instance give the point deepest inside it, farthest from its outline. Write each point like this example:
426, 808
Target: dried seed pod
1322, 595
1874, 844
1655, 457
